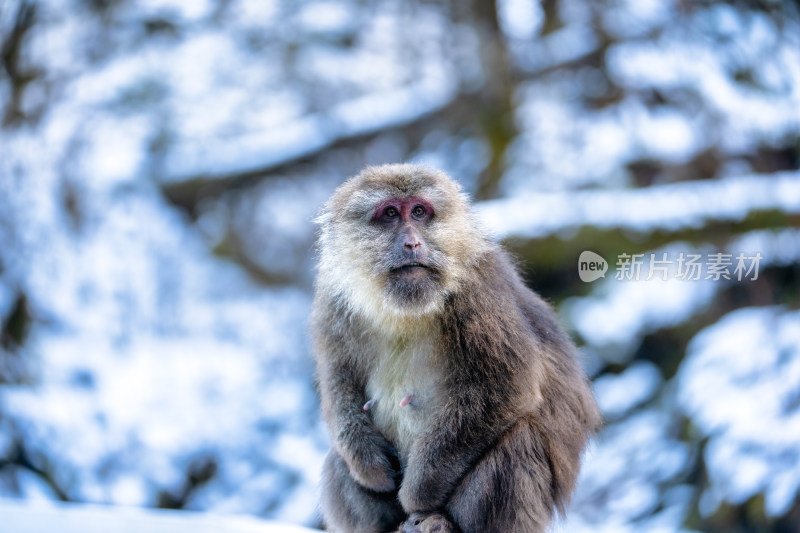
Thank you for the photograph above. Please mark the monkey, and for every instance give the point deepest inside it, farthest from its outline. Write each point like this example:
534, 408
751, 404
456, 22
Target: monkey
454, 400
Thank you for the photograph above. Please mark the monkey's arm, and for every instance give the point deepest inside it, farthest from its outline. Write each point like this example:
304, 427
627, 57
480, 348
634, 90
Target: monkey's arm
372, 461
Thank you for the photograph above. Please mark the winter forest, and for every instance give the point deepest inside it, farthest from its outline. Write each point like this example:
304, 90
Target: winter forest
162, 162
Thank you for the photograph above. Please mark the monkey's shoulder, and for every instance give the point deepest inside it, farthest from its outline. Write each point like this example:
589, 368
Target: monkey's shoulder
494, 305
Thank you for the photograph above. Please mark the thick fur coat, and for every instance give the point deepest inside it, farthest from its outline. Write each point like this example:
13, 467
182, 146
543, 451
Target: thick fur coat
455, 401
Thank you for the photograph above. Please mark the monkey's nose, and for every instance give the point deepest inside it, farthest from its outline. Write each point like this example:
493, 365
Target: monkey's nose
411, 244
411, 239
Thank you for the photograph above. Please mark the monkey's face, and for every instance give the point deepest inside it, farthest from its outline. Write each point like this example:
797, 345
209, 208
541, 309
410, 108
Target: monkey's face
411, 266
395, 241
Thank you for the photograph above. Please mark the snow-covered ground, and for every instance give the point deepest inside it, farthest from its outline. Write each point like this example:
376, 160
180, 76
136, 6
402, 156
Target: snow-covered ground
25, 517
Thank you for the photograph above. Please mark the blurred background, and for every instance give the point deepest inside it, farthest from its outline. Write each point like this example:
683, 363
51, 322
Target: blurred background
161, 162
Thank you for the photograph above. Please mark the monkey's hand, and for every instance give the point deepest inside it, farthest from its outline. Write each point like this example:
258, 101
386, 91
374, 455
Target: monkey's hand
428, 523
421, 490
372, 460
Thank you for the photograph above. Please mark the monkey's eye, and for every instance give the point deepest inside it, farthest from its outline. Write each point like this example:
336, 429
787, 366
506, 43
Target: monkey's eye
419, 211
390, 212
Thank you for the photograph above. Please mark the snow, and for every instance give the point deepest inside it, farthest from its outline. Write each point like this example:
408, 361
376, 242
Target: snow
751, 358
637, 17
562, 46
307, 135
747, 113
326, 17
663, 207
621, 473
618, 394
690, 57
187, 10
665, 134
24, 517
552, 126
154, 356
150, 357
519, 19
255, 12
617, 314
218, 115
116, 149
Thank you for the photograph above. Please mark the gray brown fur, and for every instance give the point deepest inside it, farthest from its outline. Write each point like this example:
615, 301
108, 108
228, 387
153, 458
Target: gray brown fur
501, 411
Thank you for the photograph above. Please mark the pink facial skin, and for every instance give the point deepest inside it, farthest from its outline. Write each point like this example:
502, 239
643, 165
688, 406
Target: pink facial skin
405, 208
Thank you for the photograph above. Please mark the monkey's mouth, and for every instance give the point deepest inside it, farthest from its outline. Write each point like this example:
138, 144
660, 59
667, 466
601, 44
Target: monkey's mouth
412, 268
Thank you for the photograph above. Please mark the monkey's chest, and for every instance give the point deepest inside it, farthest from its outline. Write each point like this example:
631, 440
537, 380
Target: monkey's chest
403, 392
